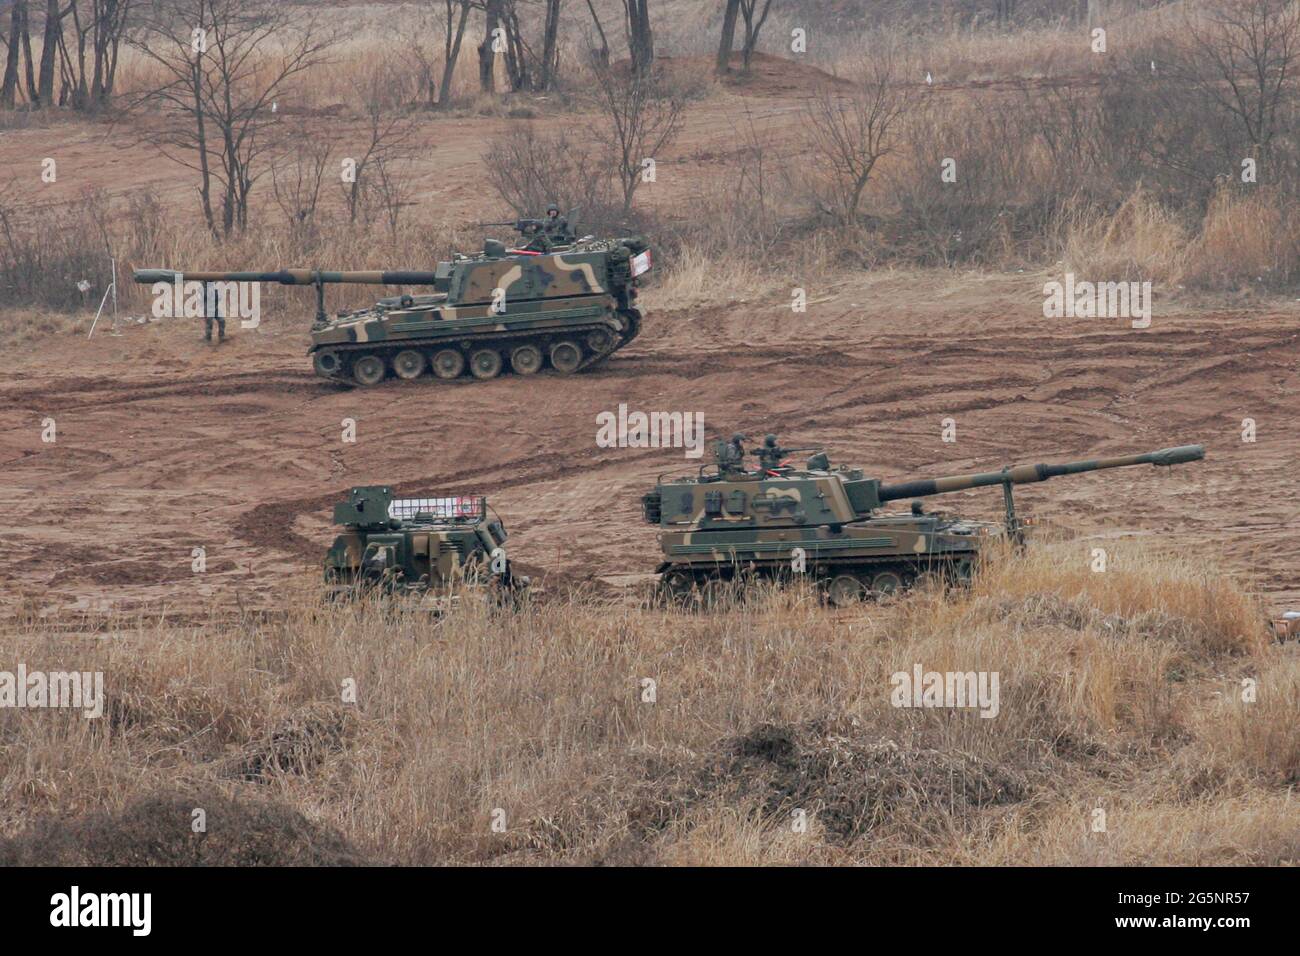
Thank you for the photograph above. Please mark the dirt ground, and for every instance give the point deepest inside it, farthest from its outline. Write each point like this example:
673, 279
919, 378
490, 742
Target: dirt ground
165, 444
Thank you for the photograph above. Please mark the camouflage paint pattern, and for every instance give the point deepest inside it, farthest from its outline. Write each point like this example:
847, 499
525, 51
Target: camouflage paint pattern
578, 295
736, 522
414, 553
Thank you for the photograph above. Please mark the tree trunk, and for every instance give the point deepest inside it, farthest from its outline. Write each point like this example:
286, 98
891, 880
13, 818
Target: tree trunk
17, 29
752, 29
205, 175
452, 52
602, 55
728, 35
49, 52
640, 37
550, 46
486, 56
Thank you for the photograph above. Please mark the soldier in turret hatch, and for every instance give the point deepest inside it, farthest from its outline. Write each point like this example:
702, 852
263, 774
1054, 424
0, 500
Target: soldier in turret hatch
556, 227
771, 454
731, 456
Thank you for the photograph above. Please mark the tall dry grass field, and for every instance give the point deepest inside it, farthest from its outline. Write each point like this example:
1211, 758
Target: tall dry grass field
768, 735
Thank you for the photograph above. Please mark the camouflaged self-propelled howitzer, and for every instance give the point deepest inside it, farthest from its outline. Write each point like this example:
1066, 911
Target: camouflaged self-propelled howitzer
416, 545
570, 307
780, 520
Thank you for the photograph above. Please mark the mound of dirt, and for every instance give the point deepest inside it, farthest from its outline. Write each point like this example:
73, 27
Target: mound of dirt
849, 780
158, 830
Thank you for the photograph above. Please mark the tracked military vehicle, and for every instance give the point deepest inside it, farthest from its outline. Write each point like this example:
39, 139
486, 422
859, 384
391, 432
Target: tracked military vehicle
521, 309
728, 523
416, 546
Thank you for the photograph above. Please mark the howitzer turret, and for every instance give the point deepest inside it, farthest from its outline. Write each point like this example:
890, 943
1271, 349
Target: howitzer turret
827, 522
568, 307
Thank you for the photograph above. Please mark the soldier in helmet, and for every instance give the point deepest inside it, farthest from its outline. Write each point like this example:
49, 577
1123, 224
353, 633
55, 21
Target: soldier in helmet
212, 313
556, 227
731, 456
771, 454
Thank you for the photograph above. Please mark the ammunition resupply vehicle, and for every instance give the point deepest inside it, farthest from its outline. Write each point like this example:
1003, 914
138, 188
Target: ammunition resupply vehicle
570, 307
416, 545
730, 523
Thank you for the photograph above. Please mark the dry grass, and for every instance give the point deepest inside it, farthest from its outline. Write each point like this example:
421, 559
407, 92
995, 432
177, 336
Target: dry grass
1116, 690
1139, 241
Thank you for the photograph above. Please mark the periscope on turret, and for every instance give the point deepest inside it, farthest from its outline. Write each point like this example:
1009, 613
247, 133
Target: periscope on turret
783, 519
566, 304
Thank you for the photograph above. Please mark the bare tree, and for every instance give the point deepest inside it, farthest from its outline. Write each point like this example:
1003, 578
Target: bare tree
297, 176
730, 11
527, 68
640, 38
754, 20
851, 132
1227, 89
600, 56
487, 49
18, 44
391, 189
102, 31
457, 13
225, 62
550, 46
50, 42
528, 169
1244, 61
389, 134
640, 118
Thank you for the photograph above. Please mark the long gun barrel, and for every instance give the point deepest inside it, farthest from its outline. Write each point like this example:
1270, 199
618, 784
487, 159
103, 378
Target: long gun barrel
289, 277
1025, 474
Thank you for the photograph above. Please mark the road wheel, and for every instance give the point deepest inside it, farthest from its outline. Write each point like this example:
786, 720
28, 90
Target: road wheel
448, 364
408, 364
600, 340
565, 357
326, 363
844, 590
887, 582
526, 359
485, 363
368, 370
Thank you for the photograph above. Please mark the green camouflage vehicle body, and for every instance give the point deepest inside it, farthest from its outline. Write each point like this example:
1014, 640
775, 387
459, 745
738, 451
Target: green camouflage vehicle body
568, 307
415, 545
718, 527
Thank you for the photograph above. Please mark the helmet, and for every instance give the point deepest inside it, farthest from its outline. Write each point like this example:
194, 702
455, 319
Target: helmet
552, 208
738, 437
769, 441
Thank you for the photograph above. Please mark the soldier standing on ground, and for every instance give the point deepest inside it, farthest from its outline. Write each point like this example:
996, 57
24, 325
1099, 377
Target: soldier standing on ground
212, 313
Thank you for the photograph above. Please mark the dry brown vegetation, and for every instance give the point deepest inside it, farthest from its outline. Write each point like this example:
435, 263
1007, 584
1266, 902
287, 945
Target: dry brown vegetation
1126, 164
1121, 690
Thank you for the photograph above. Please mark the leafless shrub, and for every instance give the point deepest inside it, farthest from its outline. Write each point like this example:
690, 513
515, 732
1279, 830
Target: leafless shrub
46, 250
640, 116
389, 134
529, 169
297, 176
851, 132
219, 90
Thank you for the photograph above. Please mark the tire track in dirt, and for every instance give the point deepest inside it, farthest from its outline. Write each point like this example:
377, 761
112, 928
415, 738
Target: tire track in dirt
244, 454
